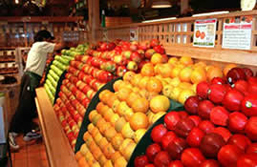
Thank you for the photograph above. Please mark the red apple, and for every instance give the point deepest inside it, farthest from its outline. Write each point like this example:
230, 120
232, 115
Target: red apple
219, 116
158, 132
248, 72
171, 119
251, 128
228, 155
184, 126
176, 163
225, 133
210, 163
252, 88
152, 150
218, 80
192, 157
149, 53
133, 47
241, 141
202, 89
176, 147
194, 137
232, 100
249, 105
183, 114
242, 86
154, 42
204, 109
206, 126
237, 122
135, 56
217, 93
196, 119
167, 138
247, 160
159, 49
252, 148
211, 144
235, 74
141, 161
162, 159
191, 104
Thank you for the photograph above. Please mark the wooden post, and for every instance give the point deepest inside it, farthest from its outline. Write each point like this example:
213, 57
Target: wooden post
94, 18
184, 4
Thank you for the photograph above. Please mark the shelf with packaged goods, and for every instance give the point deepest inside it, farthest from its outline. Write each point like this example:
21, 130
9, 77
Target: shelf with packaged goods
58, 148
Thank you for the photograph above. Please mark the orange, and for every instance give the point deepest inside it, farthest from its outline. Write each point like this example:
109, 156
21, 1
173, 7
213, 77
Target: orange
117, 141
128, 76
108, 163
122, 107
111, 99
143, 82
165, 70
136, 79
120, 162
184, 94
227, 68
186, 60
138, 121
167, 89
140, 105
198, 75
108, 151
123, 93
129, 150
83, 149
103, 142
115, 156
131, 98
159, 103
104, 95
185, 74
117, 85
156, 58
151, 95
102, 160
214, 72
78, 155
83, 162
108, 115
154, 85
100, 106
173, 60
92, 114
147, 70
110, 133
175, 72
200, 64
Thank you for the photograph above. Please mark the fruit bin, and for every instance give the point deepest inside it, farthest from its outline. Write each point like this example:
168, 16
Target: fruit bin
56, 68
220, 56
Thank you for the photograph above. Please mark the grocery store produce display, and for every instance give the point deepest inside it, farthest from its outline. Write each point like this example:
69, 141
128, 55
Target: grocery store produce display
217, 128
58, 66
85, 76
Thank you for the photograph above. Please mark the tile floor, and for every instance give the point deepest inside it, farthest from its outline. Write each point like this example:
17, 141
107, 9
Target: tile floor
31, 154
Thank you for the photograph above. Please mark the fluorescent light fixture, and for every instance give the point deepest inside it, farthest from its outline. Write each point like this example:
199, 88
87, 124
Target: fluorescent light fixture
161, 4
156, 20
211, 13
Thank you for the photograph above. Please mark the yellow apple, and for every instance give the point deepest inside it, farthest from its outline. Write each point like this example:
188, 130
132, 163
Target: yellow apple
119, 124
128, 114
129, 150
139, 134
114, 119
127, 131
116, 141
120, 162
110, 133
84, 149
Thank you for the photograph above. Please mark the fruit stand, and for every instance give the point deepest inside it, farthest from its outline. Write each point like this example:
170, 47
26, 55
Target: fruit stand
142, 105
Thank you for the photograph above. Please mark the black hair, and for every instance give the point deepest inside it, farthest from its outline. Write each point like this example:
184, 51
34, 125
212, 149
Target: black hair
42, 35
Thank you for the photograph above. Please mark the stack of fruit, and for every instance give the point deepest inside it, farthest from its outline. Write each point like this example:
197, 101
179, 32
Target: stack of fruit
59, 65
220, 130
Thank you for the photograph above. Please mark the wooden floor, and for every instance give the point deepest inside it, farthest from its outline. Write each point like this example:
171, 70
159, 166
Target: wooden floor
31, 154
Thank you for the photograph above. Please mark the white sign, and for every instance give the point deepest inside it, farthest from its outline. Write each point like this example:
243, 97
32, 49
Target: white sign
204, 33
134, 34
237, 36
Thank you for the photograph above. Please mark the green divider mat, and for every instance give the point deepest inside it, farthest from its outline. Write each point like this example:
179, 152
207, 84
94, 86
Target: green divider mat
146, 139
92, 105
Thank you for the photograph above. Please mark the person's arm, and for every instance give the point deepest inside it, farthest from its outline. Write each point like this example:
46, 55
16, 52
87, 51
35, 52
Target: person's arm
59, 46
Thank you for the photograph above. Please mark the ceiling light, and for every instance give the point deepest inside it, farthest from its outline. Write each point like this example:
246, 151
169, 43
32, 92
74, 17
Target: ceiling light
161, 4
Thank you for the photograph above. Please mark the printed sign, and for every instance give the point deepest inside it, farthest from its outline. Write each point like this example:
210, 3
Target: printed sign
204, 33
237, 33
133, 34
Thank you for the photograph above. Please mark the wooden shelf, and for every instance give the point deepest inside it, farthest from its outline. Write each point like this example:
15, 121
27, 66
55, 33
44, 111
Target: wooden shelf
36, 19
59, 151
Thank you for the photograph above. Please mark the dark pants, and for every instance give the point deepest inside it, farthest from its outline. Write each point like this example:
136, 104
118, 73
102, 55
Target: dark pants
22, 120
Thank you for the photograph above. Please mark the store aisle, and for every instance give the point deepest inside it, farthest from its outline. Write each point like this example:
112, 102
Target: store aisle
31, 154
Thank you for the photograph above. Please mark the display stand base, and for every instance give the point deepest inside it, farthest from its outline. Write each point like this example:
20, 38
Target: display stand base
59, 151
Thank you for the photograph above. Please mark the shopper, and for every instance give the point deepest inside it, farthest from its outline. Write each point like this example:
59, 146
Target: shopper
22, 120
